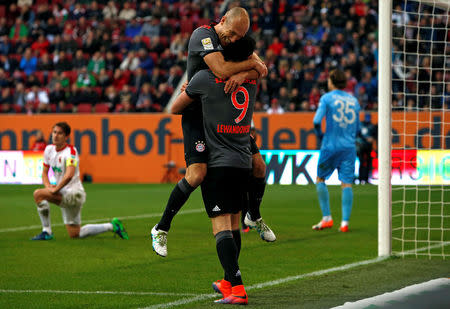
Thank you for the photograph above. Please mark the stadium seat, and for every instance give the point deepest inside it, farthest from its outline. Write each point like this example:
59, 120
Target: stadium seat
2, 11
101, 108
84, 108
186, 26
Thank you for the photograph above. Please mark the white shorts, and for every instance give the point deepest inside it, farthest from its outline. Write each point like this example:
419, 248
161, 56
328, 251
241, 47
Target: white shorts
71, 204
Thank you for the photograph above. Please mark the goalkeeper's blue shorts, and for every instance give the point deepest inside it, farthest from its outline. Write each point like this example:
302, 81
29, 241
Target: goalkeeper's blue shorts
341, 159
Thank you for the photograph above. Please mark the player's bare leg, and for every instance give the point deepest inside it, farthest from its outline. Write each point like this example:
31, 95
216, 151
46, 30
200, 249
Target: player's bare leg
257, 186
42, 197
195, 173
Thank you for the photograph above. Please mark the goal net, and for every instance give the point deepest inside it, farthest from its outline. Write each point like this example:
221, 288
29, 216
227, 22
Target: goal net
420, 126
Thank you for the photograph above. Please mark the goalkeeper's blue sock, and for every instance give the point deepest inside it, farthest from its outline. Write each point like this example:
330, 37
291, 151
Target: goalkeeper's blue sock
347, 201
324, 199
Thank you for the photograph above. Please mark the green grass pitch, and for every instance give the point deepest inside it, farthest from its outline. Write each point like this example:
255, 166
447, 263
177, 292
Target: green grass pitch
65, 273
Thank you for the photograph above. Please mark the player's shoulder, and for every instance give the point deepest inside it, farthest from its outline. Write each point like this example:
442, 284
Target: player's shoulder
72, 149
49, 148
202, 32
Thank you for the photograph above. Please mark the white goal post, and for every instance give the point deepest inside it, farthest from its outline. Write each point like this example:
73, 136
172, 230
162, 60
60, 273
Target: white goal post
414, 79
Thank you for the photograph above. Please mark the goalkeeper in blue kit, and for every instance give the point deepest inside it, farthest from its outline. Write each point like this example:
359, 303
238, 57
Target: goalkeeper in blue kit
338, 149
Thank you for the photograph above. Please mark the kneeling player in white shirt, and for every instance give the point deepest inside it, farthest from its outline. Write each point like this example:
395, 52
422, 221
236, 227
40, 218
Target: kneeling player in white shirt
68, 193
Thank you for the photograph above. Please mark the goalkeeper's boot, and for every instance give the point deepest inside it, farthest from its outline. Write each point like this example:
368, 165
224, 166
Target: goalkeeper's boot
238, 297
343, 228
159, 241
43, 236
223, 287
119, 229
323, 225
261, 227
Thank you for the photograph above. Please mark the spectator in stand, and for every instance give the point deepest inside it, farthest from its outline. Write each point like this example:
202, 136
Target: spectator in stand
13, 13
45, 64
127, 13
166, 30
162, 97
132, 29
314, 97
166, 61
84, 78
28, 63
79, 61
119, 79
137, 43
5, 45
32, 80
61, 62
145, 61
111, 61
156, 46
90, 43
157, 77
144, 100
37, 100
51, 29
21, 45
158, 9
283, 98
57, 97
130, 62
126, 95
6, 101
41, 45
275, 108
27, 15
151, 28
20, 96
178, 44
78, 12
5, 81
68, 44
96, 63
174, 76
39, 143
110, 11
111, 98
93, 12
19, 30
276, 46
103, 79
144, 11
139, 78
4, 29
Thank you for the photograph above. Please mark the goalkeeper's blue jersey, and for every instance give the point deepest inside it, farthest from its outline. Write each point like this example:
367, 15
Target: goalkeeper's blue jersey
342, 118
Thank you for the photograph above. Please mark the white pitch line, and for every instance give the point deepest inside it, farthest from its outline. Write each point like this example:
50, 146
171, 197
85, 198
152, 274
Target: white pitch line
98, 292
185, 301
137, 217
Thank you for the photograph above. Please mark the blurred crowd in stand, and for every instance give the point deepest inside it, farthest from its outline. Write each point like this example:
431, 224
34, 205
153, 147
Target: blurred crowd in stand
129, 56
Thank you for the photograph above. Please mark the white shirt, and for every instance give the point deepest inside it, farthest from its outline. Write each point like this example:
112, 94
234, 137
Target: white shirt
59, 161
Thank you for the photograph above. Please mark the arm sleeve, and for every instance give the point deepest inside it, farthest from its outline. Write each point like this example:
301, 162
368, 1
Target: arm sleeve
72, 159
204, 41
321, 110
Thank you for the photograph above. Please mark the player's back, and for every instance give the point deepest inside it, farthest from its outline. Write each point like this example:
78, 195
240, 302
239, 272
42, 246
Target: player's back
227, 119
342, 119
